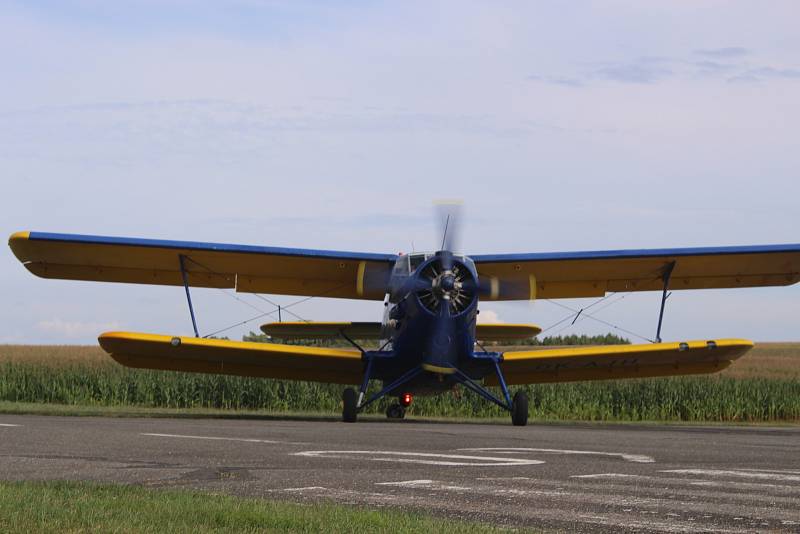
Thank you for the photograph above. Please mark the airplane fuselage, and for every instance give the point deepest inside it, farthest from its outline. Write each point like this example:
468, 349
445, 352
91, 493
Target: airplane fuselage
430, 321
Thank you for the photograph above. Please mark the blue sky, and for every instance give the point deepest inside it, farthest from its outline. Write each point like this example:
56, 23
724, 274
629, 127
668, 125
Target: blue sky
591, 125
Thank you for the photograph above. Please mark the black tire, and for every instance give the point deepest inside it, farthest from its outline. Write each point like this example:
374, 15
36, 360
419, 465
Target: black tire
349, 405
395, 411
519, 409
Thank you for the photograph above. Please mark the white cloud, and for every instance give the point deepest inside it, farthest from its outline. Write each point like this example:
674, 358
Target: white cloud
74, 329
488, 317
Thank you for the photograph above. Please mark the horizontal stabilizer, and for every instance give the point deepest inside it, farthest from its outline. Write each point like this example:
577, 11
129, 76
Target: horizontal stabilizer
367, 330
506, 332
620, 361
265, 360
322, 330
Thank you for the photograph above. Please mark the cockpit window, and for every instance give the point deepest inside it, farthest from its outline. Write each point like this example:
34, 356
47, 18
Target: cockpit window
416, 261
401, 266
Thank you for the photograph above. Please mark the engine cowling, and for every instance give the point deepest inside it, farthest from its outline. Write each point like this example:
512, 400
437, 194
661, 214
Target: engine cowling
438, 284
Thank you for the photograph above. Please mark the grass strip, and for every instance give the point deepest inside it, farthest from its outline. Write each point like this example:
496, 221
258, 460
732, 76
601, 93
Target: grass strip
89, 507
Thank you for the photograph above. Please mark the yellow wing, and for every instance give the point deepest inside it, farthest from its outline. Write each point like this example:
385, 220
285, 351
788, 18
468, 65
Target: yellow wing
592, 274
248, 269
620, 361
267, 360
367, 330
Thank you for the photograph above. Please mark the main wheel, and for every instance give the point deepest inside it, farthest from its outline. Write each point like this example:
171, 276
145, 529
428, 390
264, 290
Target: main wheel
519, 409
395, 411
349, 405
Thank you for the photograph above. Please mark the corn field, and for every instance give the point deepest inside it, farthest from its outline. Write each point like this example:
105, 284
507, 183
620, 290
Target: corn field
713, 398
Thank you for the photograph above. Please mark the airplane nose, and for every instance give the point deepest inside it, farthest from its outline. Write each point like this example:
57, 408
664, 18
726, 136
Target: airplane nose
448, 282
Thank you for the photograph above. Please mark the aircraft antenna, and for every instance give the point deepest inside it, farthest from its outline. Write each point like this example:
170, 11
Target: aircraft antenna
446, 224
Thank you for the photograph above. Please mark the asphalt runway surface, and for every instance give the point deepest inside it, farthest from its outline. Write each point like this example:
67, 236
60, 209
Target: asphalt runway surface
577, 478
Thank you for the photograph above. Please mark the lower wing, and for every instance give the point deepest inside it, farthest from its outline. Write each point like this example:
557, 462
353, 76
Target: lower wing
620, 361
266, 360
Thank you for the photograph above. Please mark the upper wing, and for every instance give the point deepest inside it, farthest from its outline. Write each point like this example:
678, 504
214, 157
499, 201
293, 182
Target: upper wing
592, 274
267, 360
620, 361
248, 269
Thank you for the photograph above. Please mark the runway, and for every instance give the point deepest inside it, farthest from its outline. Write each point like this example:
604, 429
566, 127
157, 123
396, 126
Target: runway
561, 477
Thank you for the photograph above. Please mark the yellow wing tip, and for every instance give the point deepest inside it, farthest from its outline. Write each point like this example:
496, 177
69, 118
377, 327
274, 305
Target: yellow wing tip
501, 331
18, 241
743, 342
527, 326
733, 342
107, 339
18, 238
127, 335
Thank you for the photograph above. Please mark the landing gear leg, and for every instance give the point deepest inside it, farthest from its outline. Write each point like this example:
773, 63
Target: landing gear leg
349, 406
519, 409
395, 411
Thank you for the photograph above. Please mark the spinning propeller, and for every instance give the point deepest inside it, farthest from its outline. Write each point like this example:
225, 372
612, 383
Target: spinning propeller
448, 279
445, 286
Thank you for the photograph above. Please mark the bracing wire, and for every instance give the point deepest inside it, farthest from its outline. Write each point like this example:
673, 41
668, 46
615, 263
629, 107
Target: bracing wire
242, 323
262, 313
574, 313
272, 313
616, 327
582, 313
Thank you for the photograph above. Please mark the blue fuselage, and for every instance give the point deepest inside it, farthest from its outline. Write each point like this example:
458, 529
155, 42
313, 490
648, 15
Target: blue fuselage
430, 322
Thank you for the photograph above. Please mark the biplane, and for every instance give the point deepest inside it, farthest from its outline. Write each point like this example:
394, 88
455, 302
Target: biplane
429, 338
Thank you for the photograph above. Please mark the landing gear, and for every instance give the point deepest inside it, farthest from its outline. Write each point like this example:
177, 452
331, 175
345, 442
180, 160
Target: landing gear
349, 405
519, 409
395, 411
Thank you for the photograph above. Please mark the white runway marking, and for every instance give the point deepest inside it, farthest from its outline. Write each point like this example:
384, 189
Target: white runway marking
309, 488
423, 458
8, 424
609, 475
636, 458
425, 484
782, 471
406, 483
215, 438
758, 486
503, 478
736, 473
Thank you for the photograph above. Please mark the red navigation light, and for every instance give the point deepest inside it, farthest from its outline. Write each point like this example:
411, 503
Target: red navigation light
406, 399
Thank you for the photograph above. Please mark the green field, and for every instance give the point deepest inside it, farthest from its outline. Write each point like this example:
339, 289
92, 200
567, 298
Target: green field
87, 507
762, 387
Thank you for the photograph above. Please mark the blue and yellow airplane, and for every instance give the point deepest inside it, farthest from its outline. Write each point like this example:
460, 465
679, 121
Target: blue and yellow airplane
429, 333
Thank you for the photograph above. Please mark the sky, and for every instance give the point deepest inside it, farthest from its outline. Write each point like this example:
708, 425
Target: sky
561, 126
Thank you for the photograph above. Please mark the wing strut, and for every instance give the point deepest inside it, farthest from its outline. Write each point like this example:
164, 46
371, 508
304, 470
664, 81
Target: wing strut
185, 277
664, 296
